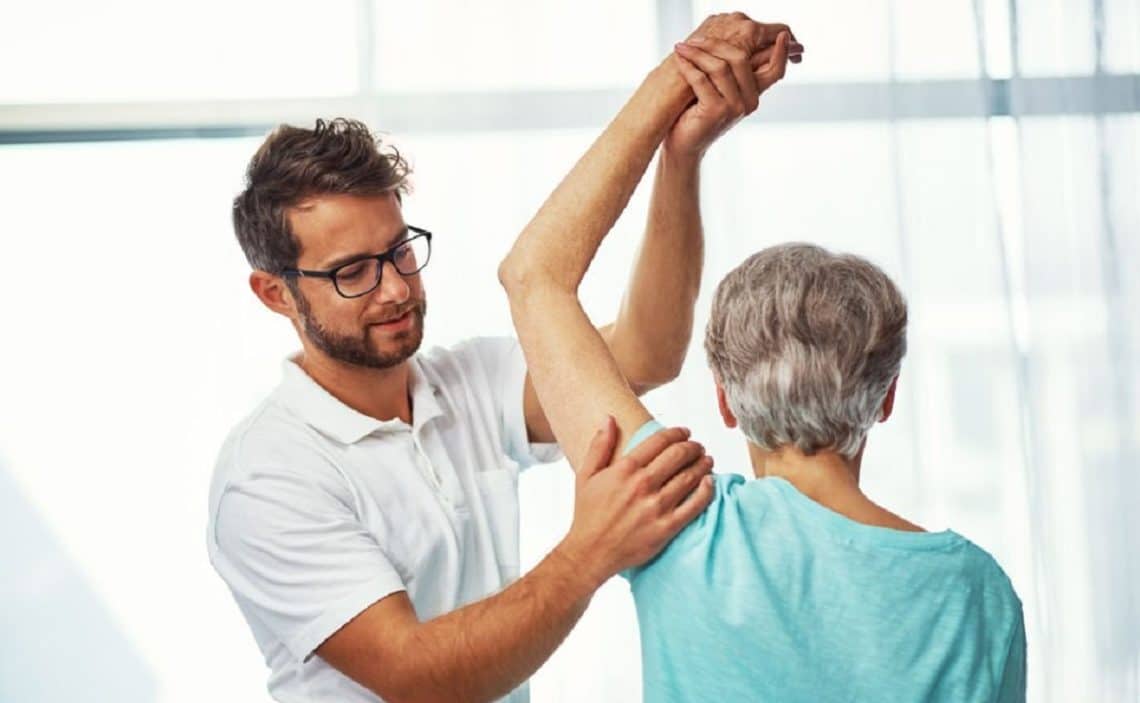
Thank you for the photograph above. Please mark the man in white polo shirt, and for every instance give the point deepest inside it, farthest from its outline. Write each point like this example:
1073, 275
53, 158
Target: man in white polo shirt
365, 516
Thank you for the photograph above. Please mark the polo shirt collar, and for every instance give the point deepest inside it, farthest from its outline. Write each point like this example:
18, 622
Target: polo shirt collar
323, 412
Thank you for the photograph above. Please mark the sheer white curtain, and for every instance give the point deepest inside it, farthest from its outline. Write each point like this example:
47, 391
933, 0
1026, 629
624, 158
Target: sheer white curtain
983, 152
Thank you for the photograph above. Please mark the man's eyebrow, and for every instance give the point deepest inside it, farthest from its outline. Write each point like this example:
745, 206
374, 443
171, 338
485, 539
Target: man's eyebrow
350, 258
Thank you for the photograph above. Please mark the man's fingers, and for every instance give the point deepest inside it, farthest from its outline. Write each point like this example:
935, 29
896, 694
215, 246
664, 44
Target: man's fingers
677, 488
769, 76
601, 449
691, 506
739, 65
670, 462
656, 443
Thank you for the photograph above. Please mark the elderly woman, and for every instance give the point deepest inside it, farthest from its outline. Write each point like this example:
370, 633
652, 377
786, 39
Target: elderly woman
795, 585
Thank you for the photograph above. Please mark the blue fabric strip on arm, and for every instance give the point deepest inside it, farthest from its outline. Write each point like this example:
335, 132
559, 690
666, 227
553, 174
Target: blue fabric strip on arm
651, 427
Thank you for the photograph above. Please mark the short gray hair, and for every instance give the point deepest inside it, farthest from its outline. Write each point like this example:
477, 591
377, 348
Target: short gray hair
806, 344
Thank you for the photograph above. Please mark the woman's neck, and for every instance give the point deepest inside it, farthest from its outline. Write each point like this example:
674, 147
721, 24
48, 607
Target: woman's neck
828, 478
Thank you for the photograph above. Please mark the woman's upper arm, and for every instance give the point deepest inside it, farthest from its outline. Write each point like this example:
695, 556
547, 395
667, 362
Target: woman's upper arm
575, 379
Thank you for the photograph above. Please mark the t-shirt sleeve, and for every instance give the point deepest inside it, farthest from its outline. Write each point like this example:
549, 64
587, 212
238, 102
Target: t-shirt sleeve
1012, 687
297, 558
502, 360
650, 428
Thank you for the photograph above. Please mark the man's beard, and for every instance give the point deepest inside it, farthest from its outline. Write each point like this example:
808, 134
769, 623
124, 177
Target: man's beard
360, 350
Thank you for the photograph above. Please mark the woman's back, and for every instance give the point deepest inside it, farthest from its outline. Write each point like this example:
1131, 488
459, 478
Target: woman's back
771, 596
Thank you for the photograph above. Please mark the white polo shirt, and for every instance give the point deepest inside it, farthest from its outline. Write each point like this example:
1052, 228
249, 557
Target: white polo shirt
318, 511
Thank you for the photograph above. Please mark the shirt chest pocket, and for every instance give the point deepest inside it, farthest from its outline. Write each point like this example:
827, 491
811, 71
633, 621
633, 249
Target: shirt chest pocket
411, 525
495, 515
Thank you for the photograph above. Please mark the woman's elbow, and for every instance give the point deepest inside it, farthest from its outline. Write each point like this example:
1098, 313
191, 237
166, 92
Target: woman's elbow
511, 274
519, 277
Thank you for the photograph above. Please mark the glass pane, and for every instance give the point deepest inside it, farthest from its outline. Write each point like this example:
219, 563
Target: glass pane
437, 45
1122, 36
1080, 210
935, 39
139, 50
138, 368
1055, 38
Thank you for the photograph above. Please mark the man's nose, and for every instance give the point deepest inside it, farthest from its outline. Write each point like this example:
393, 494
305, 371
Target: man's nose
393, 288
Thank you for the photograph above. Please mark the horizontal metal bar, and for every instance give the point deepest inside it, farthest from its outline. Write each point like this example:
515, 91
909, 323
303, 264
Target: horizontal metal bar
529, 110
174, 114
128, 135
1080, 95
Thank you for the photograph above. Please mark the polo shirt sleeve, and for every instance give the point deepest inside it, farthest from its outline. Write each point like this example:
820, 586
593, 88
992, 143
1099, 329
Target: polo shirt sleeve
296, 557
502, 360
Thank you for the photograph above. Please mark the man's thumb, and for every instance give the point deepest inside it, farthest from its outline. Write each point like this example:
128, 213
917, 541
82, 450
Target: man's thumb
601, 449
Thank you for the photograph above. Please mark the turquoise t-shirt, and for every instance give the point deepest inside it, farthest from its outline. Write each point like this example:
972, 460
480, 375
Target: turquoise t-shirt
769, 596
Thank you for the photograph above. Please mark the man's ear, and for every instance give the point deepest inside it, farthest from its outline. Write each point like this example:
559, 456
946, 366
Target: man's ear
725, 411
889, 401
273, 293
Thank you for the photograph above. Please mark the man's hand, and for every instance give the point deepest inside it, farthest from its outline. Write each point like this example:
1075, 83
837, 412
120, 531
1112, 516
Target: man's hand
625, 512
728, 62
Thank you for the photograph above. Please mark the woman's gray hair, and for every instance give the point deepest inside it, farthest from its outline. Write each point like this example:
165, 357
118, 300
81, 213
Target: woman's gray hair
806, 344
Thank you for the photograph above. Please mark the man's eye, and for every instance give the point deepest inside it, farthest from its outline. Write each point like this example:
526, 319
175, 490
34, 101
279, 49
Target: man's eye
352, 271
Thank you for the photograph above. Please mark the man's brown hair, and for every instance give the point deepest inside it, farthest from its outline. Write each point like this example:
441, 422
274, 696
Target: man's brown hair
340, 156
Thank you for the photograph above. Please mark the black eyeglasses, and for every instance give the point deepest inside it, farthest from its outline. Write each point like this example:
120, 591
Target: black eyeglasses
361, 276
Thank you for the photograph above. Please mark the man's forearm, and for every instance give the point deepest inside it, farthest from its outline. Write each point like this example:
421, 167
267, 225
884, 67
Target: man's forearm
486, 649
655, 323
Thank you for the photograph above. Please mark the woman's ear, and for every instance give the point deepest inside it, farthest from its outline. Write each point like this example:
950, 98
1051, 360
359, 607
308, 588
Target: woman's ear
889, 401
725, 411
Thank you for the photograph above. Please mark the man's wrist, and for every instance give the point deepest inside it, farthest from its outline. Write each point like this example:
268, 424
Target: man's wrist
578, 568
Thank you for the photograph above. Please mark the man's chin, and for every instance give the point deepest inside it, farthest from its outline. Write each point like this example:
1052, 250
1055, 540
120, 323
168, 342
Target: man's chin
378, 348
395, 343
